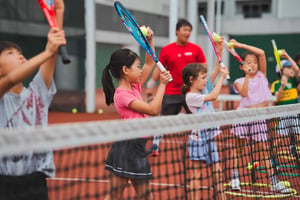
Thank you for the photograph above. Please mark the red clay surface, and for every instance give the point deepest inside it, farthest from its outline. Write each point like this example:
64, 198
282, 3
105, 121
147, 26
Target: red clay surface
75, 166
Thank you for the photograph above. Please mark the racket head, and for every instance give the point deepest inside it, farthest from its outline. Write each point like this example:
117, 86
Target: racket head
212, 42
205, 27
276, 55
134, 29
47, 7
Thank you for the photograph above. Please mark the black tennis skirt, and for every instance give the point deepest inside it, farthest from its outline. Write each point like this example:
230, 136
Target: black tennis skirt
129, 159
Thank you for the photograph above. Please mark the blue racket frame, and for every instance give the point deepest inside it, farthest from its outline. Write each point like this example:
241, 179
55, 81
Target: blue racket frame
136, 32
134, 28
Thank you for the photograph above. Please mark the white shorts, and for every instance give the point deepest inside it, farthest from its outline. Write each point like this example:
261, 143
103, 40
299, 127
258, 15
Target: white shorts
288, 125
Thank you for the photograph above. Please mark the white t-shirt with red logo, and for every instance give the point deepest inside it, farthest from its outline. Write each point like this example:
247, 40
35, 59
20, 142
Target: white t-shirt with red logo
29, 109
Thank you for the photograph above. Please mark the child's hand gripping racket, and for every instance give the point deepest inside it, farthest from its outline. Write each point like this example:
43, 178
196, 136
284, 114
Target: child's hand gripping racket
136, 32
205, 27
47, 7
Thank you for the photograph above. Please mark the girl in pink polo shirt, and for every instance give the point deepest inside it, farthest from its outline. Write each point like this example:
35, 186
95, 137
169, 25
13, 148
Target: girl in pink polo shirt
255, 92
127, 160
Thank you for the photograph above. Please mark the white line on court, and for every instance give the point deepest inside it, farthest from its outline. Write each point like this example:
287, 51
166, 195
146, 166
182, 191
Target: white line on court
160, 184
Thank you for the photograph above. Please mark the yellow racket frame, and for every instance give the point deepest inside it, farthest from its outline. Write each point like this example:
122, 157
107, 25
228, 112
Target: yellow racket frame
276, 54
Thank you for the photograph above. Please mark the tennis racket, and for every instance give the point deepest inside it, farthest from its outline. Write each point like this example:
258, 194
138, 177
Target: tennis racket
47, 7
276, 54
234, 53
213, 44
136, 32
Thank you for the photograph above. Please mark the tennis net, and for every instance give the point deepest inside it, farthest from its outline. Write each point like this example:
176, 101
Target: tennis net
257, 148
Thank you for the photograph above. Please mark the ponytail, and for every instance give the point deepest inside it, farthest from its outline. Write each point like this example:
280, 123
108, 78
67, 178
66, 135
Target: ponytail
184, 88
108, 86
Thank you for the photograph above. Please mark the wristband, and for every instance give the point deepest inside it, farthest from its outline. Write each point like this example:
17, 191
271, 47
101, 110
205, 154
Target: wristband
151, 84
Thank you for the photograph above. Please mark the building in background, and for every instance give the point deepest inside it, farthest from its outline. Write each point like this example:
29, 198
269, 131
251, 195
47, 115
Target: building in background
251, 21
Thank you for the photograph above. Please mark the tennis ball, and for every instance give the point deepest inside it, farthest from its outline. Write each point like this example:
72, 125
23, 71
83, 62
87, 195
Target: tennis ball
216, 37
249, 166
231, 45
74, 110
144, 31
279, 52
286, 183
100, 111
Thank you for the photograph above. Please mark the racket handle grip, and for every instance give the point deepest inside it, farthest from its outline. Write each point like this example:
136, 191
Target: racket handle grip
243, 63
66, 59
222, 65
162, 68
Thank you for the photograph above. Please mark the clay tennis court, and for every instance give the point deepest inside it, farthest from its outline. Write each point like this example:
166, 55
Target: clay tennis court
81, 175
71, 183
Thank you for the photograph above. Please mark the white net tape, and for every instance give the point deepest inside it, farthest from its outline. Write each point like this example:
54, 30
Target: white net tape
79, 134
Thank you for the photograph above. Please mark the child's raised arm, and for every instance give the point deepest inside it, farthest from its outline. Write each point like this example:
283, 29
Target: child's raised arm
47, 68
25, 69
279, 93
217, 89
59, 11
291, 60
149, 62
262, 62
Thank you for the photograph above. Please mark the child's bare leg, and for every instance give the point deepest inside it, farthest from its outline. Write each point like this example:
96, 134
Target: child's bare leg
117, 186
142, 188
236, 150
274, 141
195, 181
298, 138
264, 154
218, 179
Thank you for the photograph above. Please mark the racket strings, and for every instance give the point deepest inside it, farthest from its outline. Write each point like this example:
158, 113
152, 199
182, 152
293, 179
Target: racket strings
134, 29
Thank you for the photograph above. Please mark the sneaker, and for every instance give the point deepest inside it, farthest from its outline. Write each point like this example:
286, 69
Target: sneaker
154, 153
235, 184
279, 187
154, 150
